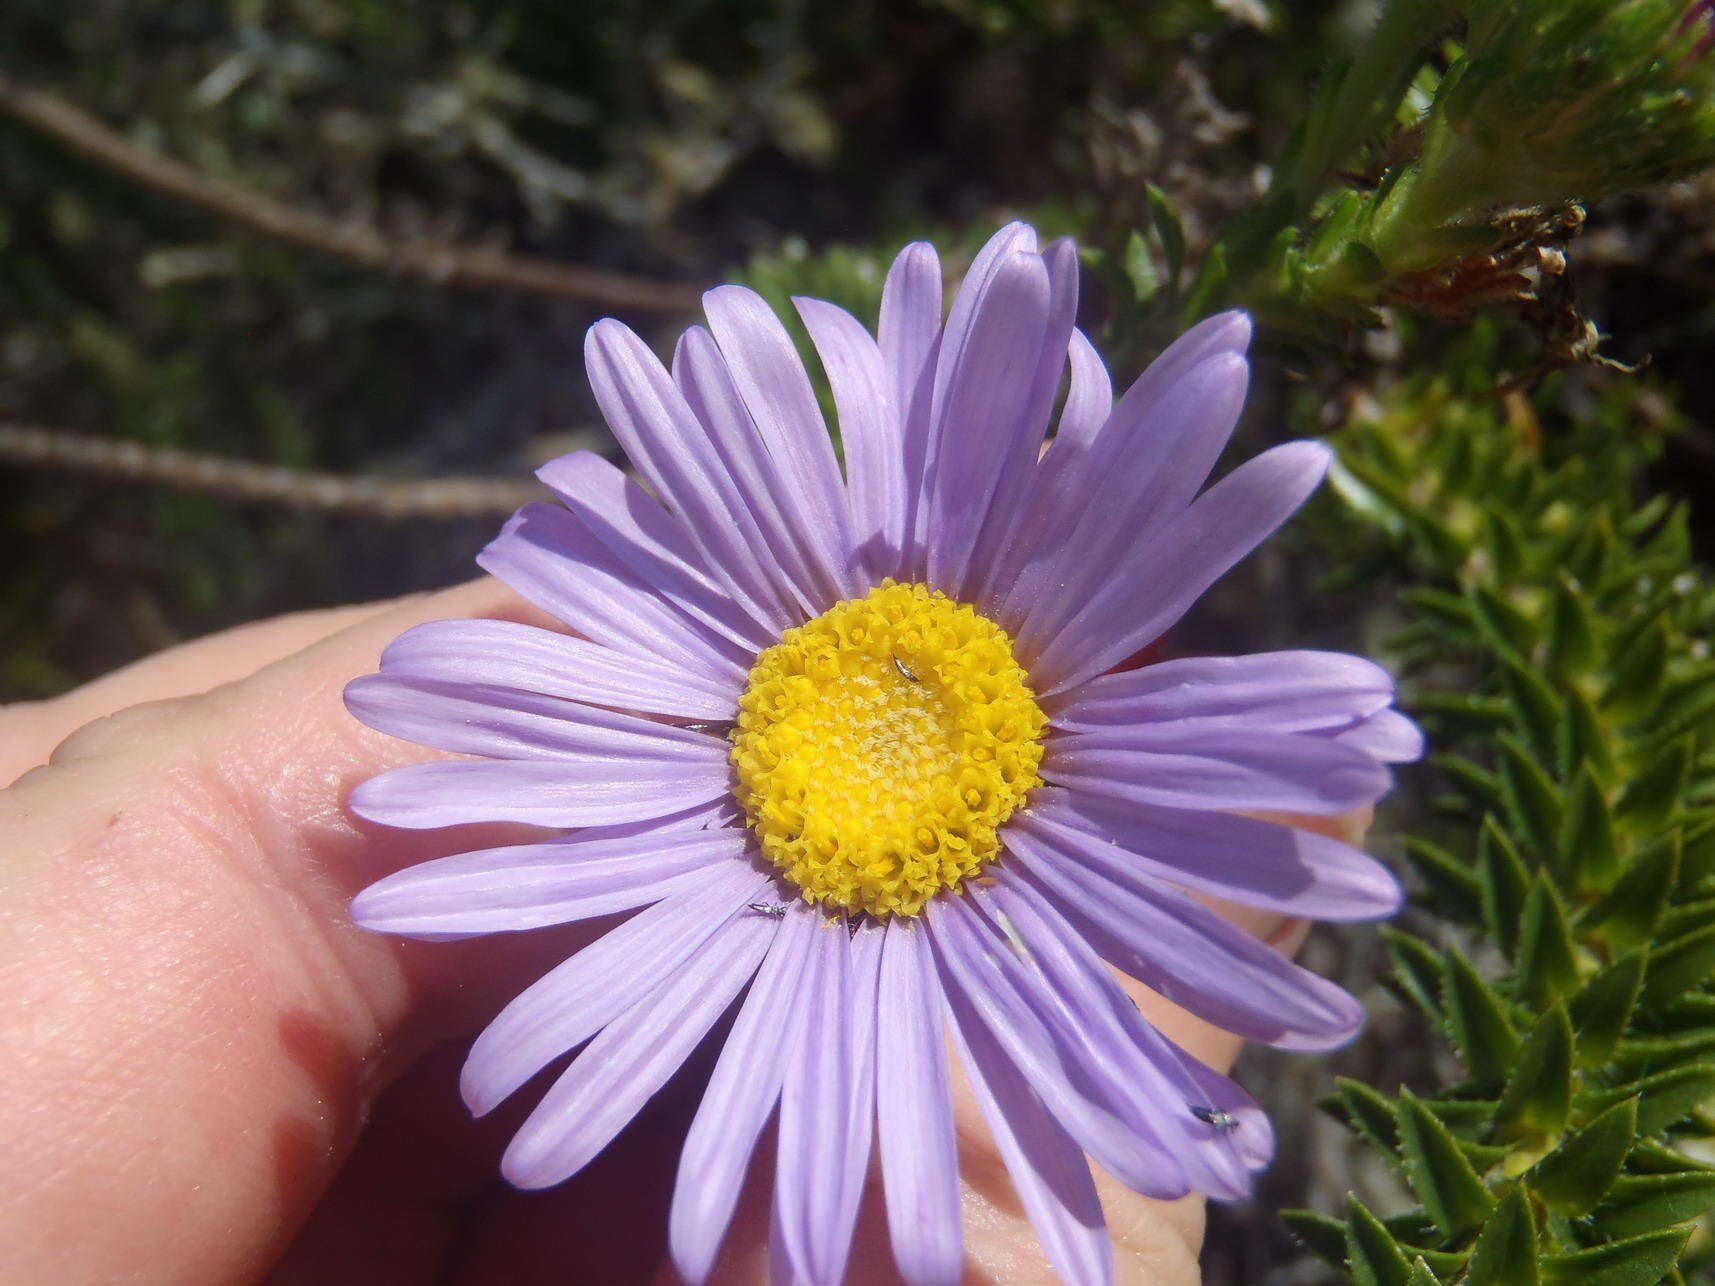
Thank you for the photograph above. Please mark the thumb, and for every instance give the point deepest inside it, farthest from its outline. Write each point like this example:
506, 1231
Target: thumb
192, 1026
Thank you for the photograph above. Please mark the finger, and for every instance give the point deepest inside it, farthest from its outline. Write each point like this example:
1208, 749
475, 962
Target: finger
29, 730
192, 1024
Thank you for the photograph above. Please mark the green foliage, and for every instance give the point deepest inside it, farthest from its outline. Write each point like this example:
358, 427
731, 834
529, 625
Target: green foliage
1430, 175
1558, 862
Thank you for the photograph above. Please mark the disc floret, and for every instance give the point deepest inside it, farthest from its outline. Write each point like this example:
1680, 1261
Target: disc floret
880, 746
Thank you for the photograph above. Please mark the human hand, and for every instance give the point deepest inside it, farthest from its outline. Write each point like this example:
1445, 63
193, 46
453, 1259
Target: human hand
214, 1077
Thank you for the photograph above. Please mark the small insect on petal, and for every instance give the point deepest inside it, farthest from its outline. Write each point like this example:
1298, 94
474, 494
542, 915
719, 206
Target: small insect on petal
775, 909
1214, 1116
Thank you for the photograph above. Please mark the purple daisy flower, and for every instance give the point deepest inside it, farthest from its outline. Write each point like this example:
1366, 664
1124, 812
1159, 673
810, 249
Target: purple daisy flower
854, 751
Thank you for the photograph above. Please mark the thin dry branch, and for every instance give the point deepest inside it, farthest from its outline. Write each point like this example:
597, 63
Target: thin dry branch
241, 480
436, 262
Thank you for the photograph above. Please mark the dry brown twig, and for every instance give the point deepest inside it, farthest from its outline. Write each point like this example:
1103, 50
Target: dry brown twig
241, 480
435, 262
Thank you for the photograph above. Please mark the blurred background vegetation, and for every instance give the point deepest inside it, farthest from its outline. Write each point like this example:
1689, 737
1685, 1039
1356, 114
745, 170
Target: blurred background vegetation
675, 141
678, 144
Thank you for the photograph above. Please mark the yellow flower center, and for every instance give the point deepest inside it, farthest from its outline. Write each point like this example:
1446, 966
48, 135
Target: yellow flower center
880, 746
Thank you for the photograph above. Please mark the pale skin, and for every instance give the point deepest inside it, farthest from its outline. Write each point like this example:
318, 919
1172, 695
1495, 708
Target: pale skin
211, 1076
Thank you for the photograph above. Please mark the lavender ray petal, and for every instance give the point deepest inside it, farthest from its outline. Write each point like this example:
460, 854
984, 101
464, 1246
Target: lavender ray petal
1181, 949
914, 1116
1255, 863
623, 1067
676, 449
1223, 769
537, 792
812, 1209
576, 999
1137, 478
1251, 1134
776, 391
1157, 425
926, 420
1014, 238
717, 814
1089, 402
910, 321
1282, 691
655, 546
871, 427
551, 559
767, 499
1048, 1169
1180, 560
1387, 736
981, 988
1001, 526
984, 409
740, 1097
525, 658
1147, 1074
910, 337
504, 723
527, 886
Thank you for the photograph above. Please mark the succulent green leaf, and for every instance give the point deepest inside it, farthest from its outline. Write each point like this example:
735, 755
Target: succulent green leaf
1537, 710
1370, 1113
1538, 1096
1211, 283
1577, 1174
1373, 1256
1688, 916
1642, 665
1452, 882
1592, 551
1140, 269
1440, 606
1473, 778
1572, 645
1477, 1021
1630, 911
1547, 961
1683, 964
1602, 1011
1584, 740
1641, 1261
1697, 849
1685, 706
1657, 791
1588, 848
1505, 884
1506, 1251
1420, 1274
1532, 803
1450, 1190
1645, 1203
1468, 1118
1668, 1097
1322, 1236
1463, 710
1505, 626
1656, 1158
1417, 970
1168, 228
1638, 1055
